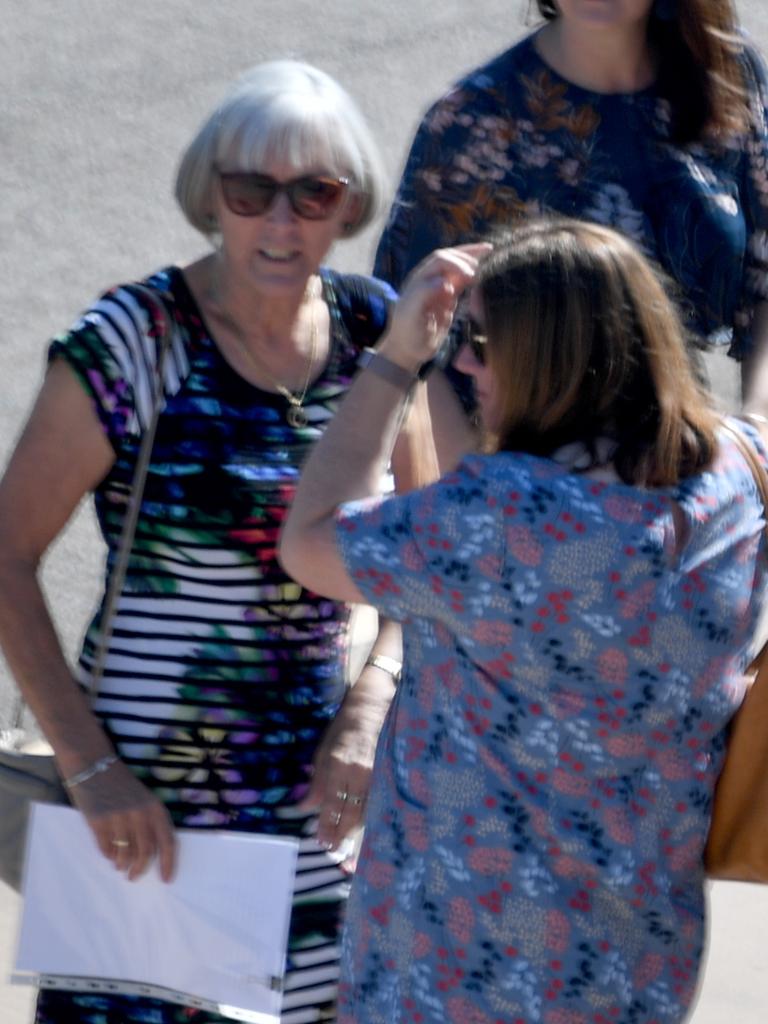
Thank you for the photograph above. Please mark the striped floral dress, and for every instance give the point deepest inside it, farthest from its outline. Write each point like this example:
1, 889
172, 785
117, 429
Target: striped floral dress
222, 672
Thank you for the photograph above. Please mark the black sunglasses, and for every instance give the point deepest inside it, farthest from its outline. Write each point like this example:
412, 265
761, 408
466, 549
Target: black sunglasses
473, 336
251, 194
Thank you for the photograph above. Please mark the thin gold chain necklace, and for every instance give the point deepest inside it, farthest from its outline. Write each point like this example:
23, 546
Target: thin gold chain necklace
296, 414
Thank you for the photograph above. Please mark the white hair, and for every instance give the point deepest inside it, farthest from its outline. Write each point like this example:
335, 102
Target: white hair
288, 111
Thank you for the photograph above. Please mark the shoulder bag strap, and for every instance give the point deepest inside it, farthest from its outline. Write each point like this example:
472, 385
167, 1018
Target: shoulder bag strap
760, 475
128, 531
754, 462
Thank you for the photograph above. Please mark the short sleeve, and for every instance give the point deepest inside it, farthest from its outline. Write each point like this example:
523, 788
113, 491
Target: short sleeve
113, 350
754, 196
435, 203
365, 305
429, 553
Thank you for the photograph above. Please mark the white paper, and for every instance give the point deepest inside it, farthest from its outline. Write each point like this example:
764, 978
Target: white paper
214, 936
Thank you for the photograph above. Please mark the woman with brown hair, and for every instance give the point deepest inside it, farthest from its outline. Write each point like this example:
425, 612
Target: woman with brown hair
577, 605
644, 115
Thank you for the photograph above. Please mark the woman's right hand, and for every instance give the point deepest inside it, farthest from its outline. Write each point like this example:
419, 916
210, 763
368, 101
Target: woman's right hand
130, 824
427, 303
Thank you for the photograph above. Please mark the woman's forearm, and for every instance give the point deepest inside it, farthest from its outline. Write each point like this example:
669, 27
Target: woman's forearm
376, 683
35, 657
352, 455
348, 462
61, 456
344, 759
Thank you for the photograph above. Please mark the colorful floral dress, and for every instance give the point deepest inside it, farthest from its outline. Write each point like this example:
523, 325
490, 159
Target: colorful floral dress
514, 139
222, 672
533, 848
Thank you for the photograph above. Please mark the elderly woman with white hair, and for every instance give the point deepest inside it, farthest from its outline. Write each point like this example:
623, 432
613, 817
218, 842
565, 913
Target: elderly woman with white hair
223, 702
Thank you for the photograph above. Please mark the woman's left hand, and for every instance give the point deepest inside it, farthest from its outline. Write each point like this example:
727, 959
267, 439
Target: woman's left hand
342, 769
425, 309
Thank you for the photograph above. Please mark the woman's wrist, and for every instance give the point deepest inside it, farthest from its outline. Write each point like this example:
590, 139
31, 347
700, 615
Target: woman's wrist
384, 663
102, 764
389, 369
401, 348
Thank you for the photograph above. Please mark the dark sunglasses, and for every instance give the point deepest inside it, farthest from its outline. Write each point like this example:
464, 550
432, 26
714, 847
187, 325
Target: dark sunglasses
474, 338
250, 194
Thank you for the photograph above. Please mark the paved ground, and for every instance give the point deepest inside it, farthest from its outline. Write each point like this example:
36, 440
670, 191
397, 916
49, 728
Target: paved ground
97, 98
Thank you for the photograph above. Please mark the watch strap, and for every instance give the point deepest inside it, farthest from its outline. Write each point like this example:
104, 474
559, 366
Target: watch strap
386, 368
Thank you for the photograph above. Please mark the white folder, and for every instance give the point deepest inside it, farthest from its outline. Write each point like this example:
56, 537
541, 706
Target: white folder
214, 938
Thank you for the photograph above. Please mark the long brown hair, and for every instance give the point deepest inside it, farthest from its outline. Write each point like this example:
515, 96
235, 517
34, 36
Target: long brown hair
700, 71
584, 343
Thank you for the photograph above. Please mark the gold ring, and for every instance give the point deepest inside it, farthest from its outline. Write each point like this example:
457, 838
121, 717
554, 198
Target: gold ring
121, 843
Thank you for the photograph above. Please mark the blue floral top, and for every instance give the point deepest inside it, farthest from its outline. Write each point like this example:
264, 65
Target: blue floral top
541, 797
514, 139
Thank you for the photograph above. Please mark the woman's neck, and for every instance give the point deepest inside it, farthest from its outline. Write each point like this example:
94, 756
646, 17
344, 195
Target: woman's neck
611, 59
275, 340
273, 318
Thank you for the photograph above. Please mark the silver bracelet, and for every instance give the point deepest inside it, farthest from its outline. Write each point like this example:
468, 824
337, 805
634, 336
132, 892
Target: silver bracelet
389, 665
102, 765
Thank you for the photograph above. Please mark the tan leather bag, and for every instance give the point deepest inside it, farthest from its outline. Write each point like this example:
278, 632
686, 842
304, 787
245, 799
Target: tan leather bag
737, 845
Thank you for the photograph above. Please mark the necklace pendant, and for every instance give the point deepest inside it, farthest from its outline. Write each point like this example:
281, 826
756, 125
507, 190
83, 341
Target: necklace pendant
296, 417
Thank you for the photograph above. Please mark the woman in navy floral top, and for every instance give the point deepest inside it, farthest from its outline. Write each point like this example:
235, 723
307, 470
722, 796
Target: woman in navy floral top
633, 114
577, 603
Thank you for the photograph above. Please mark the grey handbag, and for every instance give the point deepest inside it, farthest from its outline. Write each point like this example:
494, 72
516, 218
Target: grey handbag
28, 769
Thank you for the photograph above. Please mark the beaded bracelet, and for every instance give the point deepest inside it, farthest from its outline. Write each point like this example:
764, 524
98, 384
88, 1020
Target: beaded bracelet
102, 765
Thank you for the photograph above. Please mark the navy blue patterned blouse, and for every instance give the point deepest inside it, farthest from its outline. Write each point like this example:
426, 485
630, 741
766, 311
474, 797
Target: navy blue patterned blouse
514, 139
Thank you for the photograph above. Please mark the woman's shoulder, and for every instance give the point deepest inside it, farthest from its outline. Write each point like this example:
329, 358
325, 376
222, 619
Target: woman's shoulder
358, 288
363, 303
742, 459
115, 344
165, 286
723, 503
130, 296
741, 454
492, 87
496, 73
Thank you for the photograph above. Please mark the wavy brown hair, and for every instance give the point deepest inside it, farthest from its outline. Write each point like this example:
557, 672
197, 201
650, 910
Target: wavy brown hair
700, 70
584, 343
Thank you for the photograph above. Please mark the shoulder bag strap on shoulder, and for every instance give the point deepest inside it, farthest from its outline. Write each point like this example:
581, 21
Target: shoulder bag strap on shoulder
128, 531
754, 462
